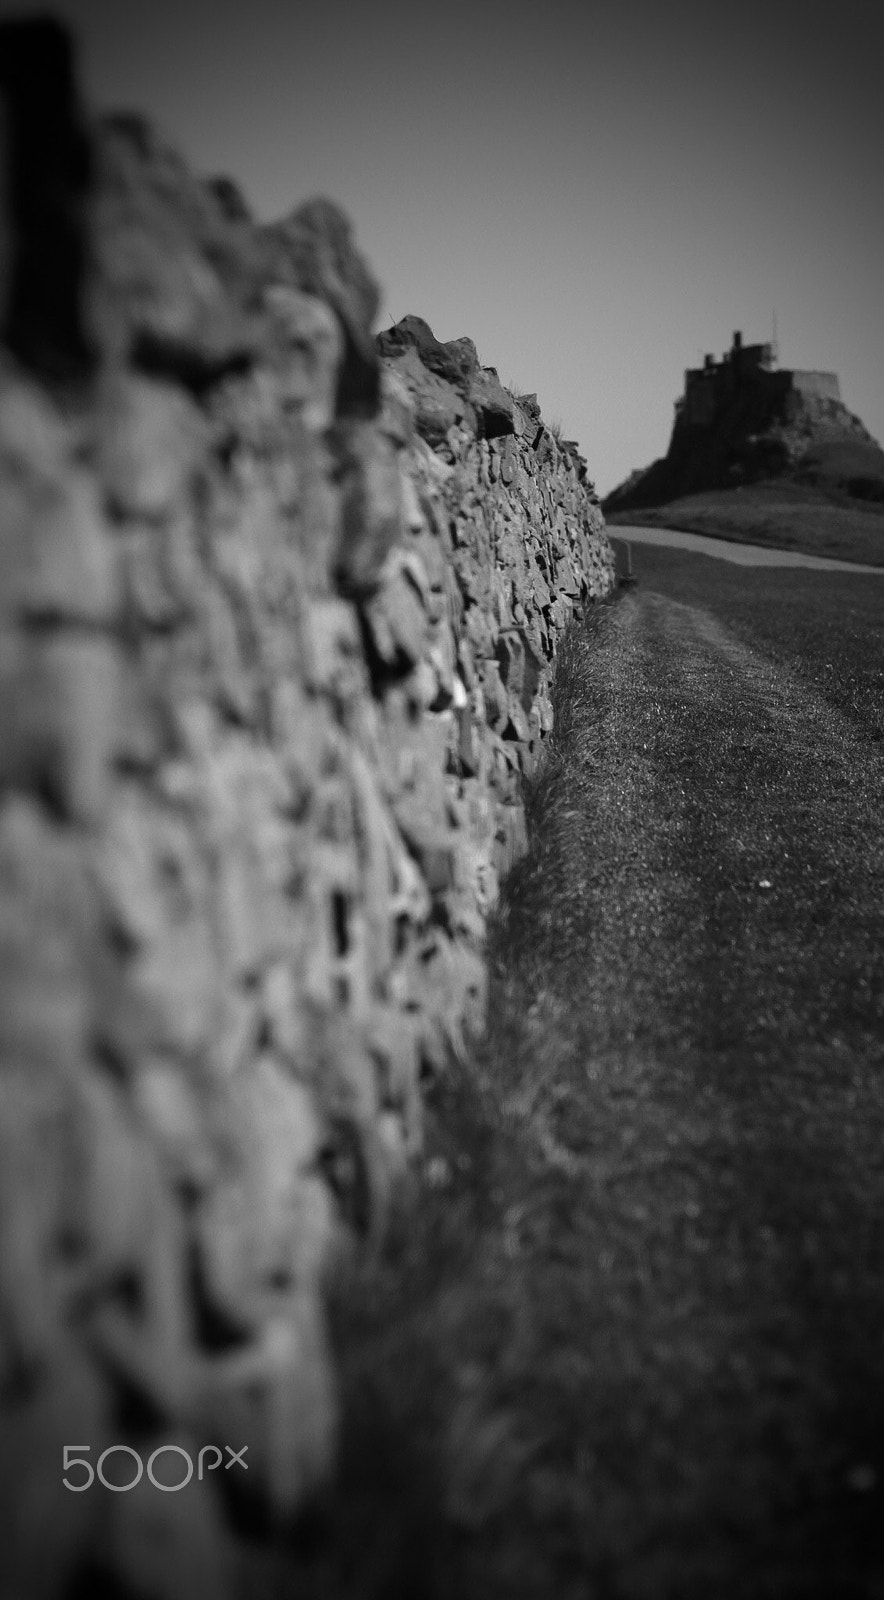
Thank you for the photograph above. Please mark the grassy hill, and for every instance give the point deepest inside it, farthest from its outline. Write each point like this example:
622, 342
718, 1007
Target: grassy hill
782, 513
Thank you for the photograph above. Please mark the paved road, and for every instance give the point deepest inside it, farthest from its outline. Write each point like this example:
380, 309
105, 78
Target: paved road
641, 1354
744, 555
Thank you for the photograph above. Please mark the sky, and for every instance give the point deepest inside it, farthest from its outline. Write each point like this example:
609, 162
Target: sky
597, 194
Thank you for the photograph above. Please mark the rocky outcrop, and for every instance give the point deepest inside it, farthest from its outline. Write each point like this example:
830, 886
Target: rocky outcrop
278, 613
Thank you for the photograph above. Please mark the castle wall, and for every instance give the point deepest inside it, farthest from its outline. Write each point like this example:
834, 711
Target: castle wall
709, 390
700, 403
822, 385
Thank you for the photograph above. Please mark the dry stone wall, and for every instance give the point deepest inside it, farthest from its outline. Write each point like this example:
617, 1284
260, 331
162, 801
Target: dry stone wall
277, 616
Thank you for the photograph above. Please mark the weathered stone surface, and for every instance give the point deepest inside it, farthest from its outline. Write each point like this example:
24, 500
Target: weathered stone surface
272, 669
494, 406
313, 248
166, 259
306, 346
466, 357
455, 362
397, 615
151, 438
437, 403
396, 420
371, 509
56, 556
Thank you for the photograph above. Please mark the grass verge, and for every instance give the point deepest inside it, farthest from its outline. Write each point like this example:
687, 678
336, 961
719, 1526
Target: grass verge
779, 515
429, 1337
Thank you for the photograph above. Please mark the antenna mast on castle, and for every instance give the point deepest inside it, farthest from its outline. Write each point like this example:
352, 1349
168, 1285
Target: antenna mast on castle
773, 340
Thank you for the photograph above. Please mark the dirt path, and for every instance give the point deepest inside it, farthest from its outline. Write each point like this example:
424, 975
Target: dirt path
639, 1347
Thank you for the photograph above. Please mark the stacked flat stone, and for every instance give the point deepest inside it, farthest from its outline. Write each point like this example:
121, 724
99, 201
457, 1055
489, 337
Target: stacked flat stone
274, 655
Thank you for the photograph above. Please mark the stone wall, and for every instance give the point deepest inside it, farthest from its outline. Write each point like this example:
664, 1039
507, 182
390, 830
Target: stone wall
278, 613
822, 385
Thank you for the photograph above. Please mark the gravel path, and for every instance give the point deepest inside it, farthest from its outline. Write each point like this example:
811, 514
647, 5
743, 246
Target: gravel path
647, 1361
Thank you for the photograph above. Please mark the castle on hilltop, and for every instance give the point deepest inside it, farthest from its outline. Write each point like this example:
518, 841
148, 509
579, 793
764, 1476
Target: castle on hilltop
745, 420
711, 389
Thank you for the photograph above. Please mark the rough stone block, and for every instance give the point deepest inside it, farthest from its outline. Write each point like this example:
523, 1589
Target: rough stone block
314, 249
396, 616
333, 658
56, 559
371, 509
306, 349
151, 440
59, 707
493, 404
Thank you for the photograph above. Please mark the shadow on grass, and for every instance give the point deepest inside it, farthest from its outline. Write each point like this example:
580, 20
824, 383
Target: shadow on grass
535, 931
